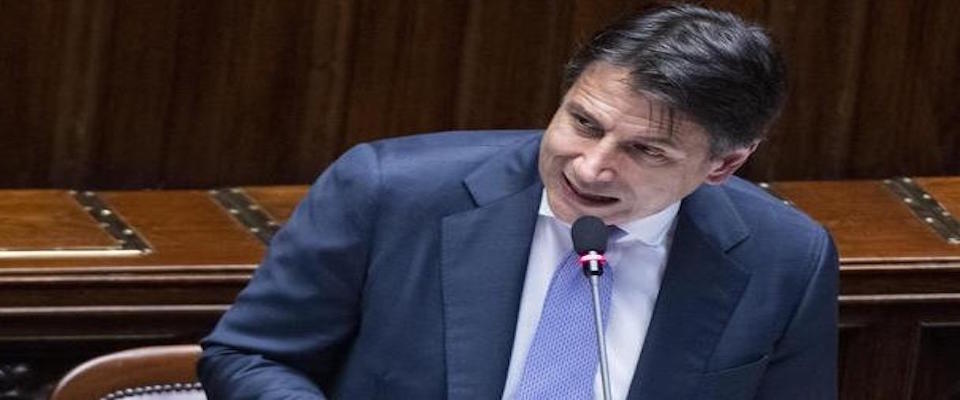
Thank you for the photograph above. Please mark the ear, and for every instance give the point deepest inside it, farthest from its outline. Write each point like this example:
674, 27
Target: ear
728, 163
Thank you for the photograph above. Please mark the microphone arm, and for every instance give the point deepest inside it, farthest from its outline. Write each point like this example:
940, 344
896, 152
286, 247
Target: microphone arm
593, 267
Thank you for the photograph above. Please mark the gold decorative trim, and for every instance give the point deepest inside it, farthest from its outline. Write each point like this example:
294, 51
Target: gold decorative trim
247, 212
925, 207
769, 189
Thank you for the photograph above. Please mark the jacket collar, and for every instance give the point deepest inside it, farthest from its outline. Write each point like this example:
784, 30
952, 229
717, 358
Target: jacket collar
701, 287
484, 254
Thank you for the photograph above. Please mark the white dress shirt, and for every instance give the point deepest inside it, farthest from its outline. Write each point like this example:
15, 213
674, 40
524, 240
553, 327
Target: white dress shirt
637, 260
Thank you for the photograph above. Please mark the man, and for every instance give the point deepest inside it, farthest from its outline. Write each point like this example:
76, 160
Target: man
429, 266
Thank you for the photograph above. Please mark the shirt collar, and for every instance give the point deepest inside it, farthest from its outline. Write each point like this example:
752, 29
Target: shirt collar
650, 230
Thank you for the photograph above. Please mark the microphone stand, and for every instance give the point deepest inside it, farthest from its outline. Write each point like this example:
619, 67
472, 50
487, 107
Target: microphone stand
593, 268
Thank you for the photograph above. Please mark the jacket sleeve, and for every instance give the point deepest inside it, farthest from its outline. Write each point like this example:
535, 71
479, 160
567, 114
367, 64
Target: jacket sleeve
804, 363
287, 331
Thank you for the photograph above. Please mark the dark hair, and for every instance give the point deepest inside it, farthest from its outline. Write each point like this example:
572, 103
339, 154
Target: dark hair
718, 70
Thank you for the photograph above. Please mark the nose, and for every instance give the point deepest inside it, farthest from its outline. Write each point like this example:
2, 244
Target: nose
597, 161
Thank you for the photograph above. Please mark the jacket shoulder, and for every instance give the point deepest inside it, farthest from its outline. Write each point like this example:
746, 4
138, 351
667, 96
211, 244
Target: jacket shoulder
782, 239
428, 160
766, 214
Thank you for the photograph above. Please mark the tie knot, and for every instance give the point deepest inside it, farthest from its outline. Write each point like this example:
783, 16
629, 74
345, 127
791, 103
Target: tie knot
615, 233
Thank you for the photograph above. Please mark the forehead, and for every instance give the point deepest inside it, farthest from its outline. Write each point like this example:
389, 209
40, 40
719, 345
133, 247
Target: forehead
604, 93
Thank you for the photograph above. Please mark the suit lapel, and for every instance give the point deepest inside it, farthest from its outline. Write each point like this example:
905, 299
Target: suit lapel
701, 287
484, 258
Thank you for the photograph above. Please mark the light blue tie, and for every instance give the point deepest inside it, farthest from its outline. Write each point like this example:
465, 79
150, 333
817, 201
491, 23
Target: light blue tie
562, 360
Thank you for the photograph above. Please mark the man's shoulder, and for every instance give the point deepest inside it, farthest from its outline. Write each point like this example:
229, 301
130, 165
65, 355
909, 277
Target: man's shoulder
439, 144
446, 155
760, 208
777, 232
428, 171
431, 156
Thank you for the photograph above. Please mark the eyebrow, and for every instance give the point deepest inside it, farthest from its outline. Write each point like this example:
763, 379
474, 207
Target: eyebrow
576, 108
668, 141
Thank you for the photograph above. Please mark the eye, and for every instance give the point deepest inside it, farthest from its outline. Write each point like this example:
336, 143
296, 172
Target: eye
651, 152
585, 123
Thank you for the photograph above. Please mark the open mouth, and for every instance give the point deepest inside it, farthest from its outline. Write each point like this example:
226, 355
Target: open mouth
589, 199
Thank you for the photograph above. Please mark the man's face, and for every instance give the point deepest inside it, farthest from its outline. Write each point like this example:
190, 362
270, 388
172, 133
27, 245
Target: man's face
612, 153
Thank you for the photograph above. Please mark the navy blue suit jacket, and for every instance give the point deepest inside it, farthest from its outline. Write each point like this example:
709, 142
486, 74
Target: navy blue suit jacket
399, 276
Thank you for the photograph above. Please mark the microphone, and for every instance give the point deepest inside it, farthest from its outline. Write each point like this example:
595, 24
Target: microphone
590, 241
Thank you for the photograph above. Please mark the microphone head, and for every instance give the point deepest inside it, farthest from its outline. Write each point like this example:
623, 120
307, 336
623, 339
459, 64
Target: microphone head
589, 233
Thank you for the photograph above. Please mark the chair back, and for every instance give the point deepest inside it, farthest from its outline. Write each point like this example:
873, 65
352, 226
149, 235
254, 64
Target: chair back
154, 373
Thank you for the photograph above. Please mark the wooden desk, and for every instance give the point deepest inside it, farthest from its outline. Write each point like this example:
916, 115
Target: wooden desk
58, 311
899, 287
899, 300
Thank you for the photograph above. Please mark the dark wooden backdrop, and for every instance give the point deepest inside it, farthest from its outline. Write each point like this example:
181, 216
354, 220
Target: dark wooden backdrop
186, 93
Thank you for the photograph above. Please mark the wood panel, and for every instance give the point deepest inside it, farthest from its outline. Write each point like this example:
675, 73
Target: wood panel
514, 52
47, 219
812, 137
186, 94
29, 79
405, 67
938, 365
180, 227
848, 209
278, 201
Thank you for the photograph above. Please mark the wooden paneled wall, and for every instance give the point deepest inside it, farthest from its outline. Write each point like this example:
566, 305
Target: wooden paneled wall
184, 93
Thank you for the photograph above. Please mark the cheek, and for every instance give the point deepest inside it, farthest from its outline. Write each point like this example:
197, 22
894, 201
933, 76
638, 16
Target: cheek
558, 153
647, 185
563, 141
551, 159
